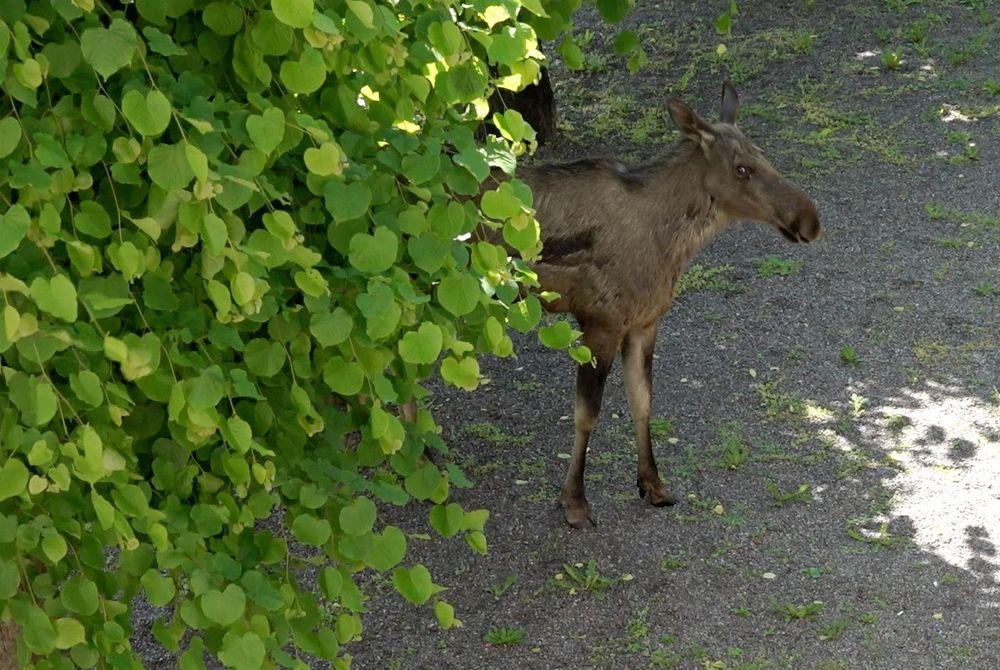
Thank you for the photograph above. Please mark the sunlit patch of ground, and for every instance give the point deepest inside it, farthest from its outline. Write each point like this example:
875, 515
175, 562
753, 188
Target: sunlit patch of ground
948, 446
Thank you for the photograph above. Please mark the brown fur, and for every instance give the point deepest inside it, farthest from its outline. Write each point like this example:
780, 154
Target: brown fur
615, 240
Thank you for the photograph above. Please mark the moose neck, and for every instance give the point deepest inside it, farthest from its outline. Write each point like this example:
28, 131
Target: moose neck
674, 204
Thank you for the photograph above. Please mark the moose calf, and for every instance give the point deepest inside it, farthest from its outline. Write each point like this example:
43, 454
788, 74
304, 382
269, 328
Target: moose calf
617, 237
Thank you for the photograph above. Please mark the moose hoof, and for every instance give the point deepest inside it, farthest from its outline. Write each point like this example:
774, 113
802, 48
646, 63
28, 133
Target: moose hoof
577, 513
657, 495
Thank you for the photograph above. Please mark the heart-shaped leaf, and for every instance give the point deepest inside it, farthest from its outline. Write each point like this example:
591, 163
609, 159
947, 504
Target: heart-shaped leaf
415, 584
459, 293
331, 329
463, 374
294, 13
149, 114
13, 478
358, 518
109, 49
14, 226
267, 130
224, 607
242, 652
447, 520
343, 377
10, 135
387, 549
374, 253
306, 74
346, 201
422, 345
324, 160
56, 296
310, 530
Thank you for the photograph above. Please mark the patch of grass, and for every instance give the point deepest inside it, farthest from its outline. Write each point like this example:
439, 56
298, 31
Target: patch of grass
836, 136
674, 562
741, 611
972, 49
833, 629
498, 590
986, 290
892, 59
661, 429
895, 423
493, 434
955, 243
732, 451
617, 115
779, 405
504, 636
968, 146
938, 212
772, 266
635, 640
583, 577
700, 278
880, 538
858, 404
918, 32
526, 386
801, 493
796, 612
815, 571
849, 355
749, 57
664, 659
928, 352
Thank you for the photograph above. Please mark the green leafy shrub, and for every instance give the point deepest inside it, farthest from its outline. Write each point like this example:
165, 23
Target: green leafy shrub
235, 236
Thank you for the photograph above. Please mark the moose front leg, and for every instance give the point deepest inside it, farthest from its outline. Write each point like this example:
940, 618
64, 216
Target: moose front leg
589, 391
637, 361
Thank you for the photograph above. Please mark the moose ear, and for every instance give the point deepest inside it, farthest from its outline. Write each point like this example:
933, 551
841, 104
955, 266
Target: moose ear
689, 123
730, 104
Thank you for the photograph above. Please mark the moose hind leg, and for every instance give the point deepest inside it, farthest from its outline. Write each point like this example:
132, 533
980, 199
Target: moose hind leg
589, 391
637, 362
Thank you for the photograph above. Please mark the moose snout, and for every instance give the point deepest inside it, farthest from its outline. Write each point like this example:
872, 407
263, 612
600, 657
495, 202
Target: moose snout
806, 224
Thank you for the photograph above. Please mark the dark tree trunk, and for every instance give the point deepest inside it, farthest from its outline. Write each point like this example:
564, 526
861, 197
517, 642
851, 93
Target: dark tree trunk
536, 103
8, 646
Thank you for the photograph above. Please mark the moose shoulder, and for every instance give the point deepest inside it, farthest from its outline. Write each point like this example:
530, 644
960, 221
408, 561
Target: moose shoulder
617, 237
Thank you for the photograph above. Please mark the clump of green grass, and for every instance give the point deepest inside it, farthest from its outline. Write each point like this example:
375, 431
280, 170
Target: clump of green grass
801, 493
699, 278
772, 266
661, 429
732, 451
834, 629
938, 212
795, 612
504, 636
892, 59
780, 405
987, 290
583, 577
493, 434
498, 590
880, 538
849, 355
673, 562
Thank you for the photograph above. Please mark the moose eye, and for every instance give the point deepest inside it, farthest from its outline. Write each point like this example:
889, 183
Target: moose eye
742, 171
